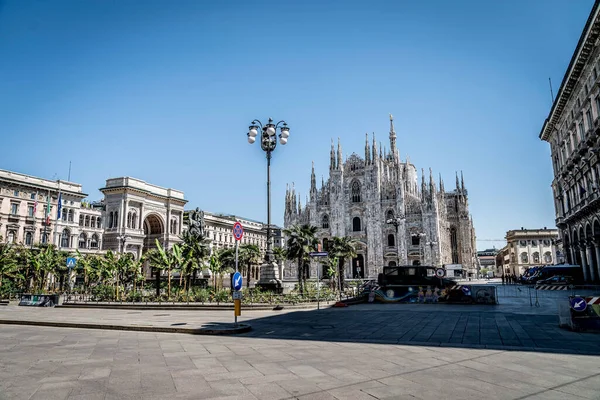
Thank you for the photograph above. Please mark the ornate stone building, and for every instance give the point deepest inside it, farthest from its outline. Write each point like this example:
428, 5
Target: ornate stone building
573, 131
530, 248
137, 213
362, 195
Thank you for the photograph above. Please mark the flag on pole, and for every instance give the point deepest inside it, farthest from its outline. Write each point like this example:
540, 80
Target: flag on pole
59, 206
48, 209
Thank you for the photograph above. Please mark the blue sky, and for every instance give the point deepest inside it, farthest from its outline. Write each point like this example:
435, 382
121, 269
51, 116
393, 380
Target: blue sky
164, 91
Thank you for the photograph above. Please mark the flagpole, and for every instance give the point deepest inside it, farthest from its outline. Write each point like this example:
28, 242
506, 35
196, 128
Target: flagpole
34, 218
47, 217
58, 214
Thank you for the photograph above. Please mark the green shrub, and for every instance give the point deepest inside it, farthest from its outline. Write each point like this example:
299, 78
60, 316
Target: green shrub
103, 293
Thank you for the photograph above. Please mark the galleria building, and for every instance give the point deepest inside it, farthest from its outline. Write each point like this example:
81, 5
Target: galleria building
378, 201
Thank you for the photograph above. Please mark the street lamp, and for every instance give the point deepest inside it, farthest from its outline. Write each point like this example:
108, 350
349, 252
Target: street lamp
268, 142
396, 221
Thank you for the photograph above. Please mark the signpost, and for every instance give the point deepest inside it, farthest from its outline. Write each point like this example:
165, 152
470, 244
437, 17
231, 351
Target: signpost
440, 272
71, 263
237, 281
318, 254
578, 304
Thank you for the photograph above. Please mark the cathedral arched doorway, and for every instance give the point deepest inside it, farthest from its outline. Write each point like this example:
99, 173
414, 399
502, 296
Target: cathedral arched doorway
358, 267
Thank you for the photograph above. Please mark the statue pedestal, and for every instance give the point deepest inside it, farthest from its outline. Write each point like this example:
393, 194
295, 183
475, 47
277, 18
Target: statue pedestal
269, 278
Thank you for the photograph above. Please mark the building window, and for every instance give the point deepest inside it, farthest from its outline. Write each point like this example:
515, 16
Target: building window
389, 215
325, 222
581, 131
30, 211
547, 258
87, 220
14, 208
355, 192
415, 240
522, 243
80, 220
94, 242
82, 241
16, 193
98, 222
64, 214
10, 238
116, 221
597, 106
44, 238
391, 240
28, 238
524, 258
588, 116
71, 216
534, 243
134, 221
356, 224
65, 240
535, 257
32, 197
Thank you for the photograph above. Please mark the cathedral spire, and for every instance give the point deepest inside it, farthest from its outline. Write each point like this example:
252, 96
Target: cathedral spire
457, 184
393, 149
374, 149
313, 181
332, 157
299, 204
431, 182
380, 150
441, 184
367, 150
322, 182
462, 182
340, 161
422, 182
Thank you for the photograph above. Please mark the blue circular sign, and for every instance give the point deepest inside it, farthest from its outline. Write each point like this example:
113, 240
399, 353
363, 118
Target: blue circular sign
466, 290
238, 281
578, 304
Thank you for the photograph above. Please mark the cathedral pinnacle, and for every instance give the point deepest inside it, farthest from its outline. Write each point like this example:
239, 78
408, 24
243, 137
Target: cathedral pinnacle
332, 157
367, 150
313, 180
393, 149
431, 182
462, 182
457, 184
441, 184
374, 149
340, 161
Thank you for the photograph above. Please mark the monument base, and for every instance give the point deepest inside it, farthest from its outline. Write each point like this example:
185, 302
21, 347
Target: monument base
269, 278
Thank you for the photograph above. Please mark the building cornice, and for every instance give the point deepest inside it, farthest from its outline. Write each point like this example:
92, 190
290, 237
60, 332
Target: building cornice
116, 189
580, 57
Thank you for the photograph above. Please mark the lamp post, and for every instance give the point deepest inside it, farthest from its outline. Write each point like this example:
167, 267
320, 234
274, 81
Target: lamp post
269, 273
396, 221
122, 239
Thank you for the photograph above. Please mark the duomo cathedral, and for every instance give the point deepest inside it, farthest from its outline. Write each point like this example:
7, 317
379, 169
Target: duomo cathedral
378, 201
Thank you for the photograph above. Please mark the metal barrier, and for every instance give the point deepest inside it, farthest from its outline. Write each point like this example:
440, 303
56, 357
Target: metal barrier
543, 294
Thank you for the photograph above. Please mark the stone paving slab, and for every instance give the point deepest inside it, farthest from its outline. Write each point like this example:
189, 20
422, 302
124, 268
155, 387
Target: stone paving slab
61, 363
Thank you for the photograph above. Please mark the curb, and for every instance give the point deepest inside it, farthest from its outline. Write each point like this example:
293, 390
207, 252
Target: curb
242, 328
130, 306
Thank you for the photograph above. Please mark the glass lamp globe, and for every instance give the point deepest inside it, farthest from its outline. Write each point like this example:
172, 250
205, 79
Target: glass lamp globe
253, 132
282, 140
251, 139
285, 133
271, 131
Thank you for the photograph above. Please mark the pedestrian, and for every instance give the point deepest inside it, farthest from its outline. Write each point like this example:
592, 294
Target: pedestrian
503, 279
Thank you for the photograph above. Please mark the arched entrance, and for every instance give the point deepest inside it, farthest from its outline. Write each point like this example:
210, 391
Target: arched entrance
153, 229
358, 267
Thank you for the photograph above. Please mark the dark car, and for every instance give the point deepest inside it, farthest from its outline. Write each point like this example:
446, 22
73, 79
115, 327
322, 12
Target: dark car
556, 280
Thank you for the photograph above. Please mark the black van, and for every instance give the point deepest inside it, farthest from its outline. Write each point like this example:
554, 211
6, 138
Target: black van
573, 271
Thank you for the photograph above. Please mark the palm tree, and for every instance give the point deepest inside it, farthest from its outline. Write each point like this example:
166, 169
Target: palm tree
162, 258
227, 261
343, 248
8, 263
250, 255
195, 250
301, 241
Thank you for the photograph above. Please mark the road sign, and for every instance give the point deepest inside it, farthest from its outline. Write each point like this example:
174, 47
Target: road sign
237, 281
466, 290
440, 272
71, 262
237, 295
238, 231
318, 254
578, 304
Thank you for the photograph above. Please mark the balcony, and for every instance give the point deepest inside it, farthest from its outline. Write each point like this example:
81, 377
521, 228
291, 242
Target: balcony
14, 217
29, 220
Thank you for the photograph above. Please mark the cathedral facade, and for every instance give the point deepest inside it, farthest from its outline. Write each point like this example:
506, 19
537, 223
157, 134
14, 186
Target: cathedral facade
377, 200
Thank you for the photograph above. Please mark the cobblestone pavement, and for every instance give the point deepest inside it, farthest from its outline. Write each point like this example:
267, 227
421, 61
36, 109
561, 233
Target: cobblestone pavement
63, 363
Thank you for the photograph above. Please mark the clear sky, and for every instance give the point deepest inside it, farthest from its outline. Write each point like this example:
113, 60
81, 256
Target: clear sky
164, 91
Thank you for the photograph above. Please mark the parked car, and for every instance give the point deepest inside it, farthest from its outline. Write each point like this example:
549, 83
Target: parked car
556, 280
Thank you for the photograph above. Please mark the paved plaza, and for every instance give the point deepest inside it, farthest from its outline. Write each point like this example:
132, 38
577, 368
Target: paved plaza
361, 352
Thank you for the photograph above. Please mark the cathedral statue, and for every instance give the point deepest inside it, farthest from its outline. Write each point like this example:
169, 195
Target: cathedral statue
197, 225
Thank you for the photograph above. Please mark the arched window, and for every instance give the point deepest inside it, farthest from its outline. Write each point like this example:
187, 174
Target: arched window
389, 215
64, 214
536, 257
82, 241
524, 258
134, 221
129, 219
110, 219
356, 224
94, 242
10, 238
391, 240
116, 221
71, 216
392, 264
98, 223
28, 238
44, 238
93, 222
80, 220
416, 240
65, 240
325, 222
355, 192
87, 220
547, 258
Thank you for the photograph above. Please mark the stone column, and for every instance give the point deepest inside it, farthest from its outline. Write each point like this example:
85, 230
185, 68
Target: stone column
583, 261
590, 259
597, 250
572, 251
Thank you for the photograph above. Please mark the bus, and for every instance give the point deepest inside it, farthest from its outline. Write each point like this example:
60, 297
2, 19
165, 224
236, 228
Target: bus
573, 271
